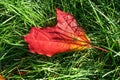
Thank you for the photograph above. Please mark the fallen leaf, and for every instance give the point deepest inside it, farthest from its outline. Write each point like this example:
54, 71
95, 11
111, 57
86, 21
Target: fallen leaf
65, 36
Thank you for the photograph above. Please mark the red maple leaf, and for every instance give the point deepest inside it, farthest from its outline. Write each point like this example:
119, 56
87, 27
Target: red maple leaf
65, 36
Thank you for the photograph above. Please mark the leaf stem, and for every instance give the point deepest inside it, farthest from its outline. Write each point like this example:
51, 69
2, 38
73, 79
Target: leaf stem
99, 48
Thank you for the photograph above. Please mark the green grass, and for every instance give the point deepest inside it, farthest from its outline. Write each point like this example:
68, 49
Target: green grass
99, 18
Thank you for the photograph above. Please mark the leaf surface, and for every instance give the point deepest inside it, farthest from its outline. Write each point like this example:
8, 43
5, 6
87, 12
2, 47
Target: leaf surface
1, 78
65, 36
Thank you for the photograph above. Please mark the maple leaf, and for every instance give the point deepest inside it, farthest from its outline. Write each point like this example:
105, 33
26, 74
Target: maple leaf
65, 36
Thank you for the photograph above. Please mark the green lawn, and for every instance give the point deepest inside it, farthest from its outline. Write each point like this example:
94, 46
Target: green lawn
99, 18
